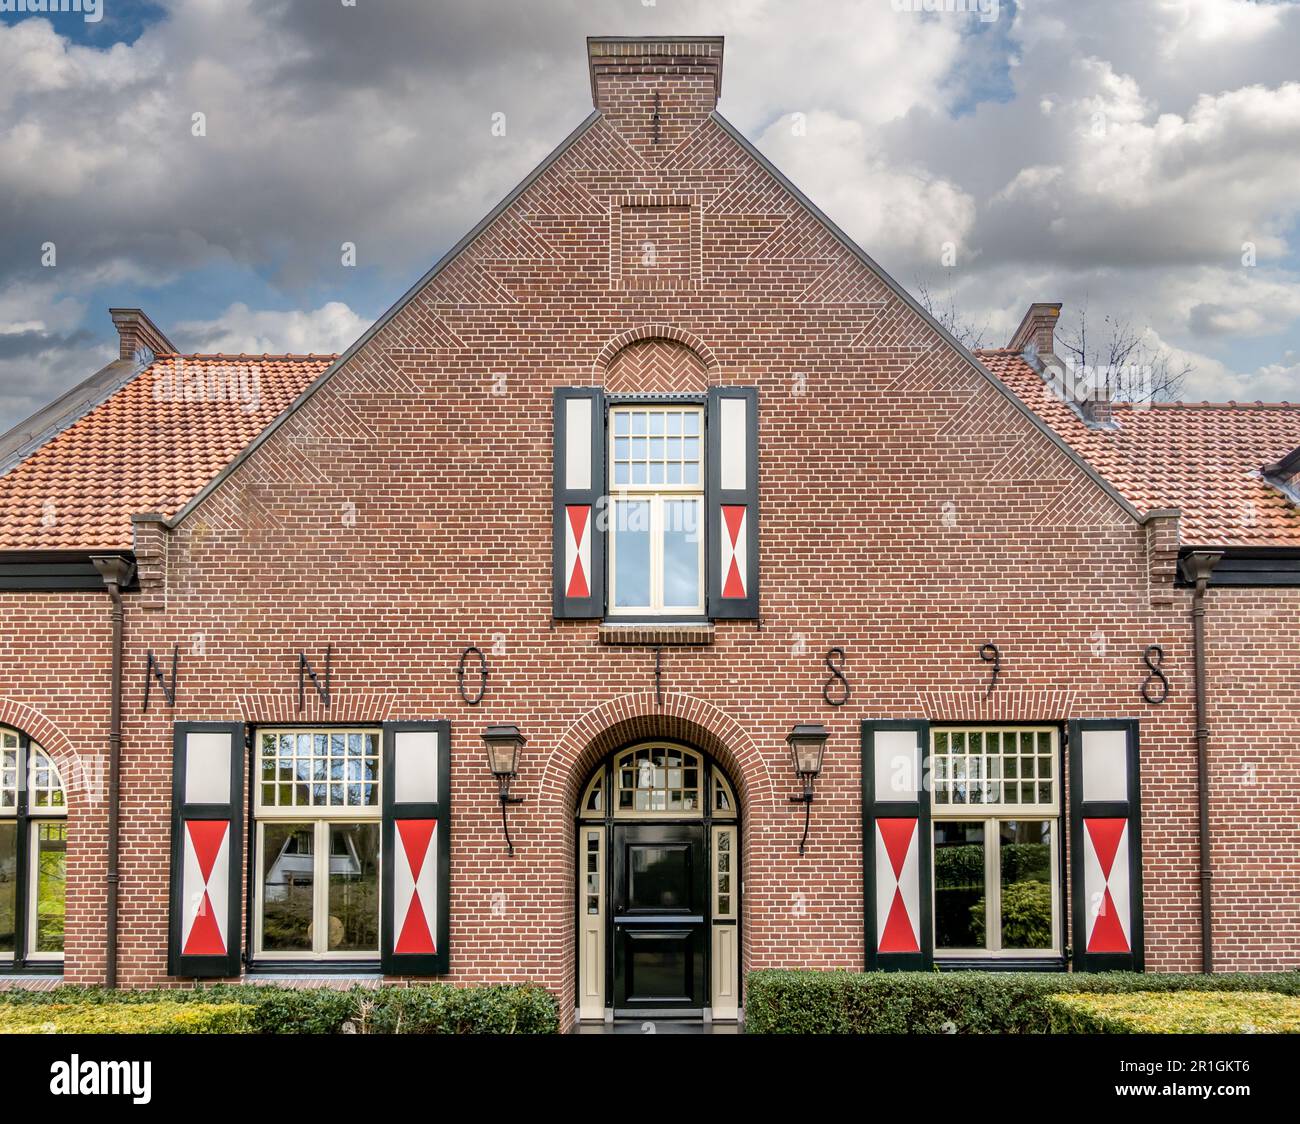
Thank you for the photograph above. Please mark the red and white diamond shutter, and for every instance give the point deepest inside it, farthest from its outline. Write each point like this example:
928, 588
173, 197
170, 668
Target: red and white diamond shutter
207, 849
416, 856
731, 502
896, 845
1106, 845
578, 538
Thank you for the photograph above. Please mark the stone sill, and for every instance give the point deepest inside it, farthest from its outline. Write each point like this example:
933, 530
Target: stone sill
657, 635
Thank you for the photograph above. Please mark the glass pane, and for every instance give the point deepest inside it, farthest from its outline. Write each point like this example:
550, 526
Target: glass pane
49, 893
659, 876
288, 873
8, 885
959, 885
1025, 851
354, 888
682, 553
632, 554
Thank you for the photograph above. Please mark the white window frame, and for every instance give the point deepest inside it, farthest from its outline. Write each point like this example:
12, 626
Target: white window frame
320, 818
991, 816
34, 825
658, 495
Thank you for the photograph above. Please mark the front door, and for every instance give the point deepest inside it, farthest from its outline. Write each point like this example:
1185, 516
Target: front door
658, 918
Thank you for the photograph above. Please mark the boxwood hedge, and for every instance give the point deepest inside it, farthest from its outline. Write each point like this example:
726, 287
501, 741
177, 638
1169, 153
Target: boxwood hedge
814, 1002
418, 1009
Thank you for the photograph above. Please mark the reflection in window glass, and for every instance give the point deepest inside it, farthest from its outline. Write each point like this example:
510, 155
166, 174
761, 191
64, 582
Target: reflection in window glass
958, 885
8, 885
51, 885
632, 554
682, 553
288, 876
353, 887
1025, 851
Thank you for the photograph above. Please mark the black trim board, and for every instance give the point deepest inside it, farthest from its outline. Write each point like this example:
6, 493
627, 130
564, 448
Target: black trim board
1257, 567
57, 571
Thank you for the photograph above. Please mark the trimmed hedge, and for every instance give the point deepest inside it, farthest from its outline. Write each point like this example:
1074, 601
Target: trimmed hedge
124, 1018
1187, 1012
812, 1002
419, 1009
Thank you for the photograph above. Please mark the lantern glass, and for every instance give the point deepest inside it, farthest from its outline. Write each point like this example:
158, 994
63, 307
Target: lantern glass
503, 750
806, 748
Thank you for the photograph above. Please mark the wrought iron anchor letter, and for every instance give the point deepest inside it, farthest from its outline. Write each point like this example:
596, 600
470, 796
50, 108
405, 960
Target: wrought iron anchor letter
1155, 687
836, 672
991, 653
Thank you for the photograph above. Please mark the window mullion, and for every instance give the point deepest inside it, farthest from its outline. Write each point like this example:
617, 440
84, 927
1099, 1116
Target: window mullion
993, 891
657, 553
320, 898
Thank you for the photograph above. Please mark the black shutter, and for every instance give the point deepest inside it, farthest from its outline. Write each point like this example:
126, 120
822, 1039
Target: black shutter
1105, 845
415, 927
577, 543
731, 502
207, 860
898, 887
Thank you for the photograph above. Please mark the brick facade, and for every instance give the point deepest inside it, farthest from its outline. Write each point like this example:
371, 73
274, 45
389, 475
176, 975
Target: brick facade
911, 513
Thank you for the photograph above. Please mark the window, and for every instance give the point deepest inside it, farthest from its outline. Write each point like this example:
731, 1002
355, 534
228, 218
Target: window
33, 853
317, 844
996, 826
658, 778
656, 539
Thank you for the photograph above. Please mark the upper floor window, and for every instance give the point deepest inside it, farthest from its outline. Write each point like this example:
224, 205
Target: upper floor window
656, 541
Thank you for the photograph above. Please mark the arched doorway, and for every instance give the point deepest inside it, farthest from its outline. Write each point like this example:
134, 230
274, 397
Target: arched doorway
658, 886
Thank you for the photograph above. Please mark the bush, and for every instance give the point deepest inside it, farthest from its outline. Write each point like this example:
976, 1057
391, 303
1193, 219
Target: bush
1188, 1012
810, 1002
419, 1009
124, 1018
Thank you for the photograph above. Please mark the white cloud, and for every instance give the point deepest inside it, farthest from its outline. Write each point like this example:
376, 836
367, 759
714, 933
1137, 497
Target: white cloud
333, 327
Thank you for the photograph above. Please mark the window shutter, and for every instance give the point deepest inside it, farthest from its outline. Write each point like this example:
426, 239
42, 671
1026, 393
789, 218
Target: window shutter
1105, 846
578, 547
207, 849
731, 502
896, 846
416, 848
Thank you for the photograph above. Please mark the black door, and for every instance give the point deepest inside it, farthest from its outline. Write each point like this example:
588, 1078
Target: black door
657, 918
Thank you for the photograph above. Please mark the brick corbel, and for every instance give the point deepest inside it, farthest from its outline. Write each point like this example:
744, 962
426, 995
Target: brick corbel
150, 536
1162, 529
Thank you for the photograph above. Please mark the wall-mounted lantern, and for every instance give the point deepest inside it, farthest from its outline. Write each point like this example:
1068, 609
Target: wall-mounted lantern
807, 745
503, 746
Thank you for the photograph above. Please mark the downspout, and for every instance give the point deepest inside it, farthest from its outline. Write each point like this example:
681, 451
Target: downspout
1197, 568
117, 573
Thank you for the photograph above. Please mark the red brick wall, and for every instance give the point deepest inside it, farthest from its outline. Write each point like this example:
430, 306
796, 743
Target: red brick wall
909, 514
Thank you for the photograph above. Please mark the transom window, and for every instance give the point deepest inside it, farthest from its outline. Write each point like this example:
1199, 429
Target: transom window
656, 545
33, 852
658, 778
995, 768
317, 844
994, 801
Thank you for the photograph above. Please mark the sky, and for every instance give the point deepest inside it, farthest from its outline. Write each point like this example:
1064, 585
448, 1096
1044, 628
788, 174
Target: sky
1139, 159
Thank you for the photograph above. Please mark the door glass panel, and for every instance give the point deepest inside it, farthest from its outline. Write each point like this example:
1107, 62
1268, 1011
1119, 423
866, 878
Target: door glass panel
354, 887
959, 885
49, 892
288, 873
1025, 851
659, 877
632, 553
8, 885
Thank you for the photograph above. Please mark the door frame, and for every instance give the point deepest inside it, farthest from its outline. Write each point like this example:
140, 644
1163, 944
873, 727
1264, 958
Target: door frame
604, 820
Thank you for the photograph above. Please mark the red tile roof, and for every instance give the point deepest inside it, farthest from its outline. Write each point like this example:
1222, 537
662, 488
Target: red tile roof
150, 446
1202, 458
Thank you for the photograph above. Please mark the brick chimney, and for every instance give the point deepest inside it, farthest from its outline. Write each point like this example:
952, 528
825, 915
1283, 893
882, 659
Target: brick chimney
1037, 330
657, 90
135, 330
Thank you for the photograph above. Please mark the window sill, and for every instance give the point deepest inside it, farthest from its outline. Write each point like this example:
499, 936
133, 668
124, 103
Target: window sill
1051, 963
324, 969
657, 634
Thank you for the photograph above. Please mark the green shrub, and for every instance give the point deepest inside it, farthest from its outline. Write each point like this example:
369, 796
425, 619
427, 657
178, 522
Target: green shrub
810, 1002
124, 1018
419, 1009
1188, 1012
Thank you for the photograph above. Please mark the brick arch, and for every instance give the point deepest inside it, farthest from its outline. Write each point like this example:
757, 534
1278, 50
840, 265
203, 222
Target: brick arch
662, 332
639, 716
49, 737
656, 366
